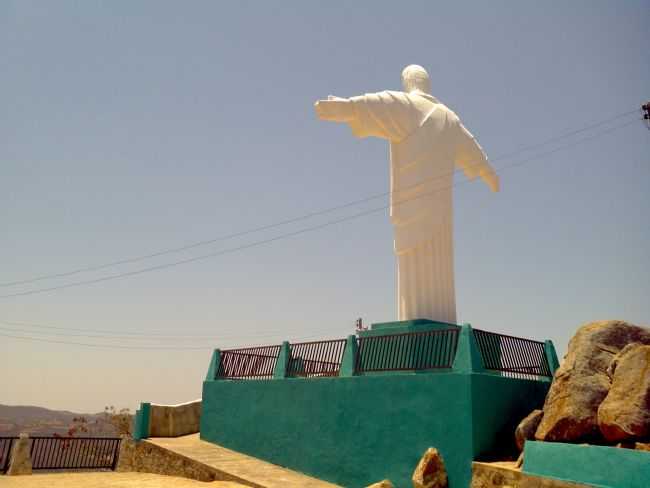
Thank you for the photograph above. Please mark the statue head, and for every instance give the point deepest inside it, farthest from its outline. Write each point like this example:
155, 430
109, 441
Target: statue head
415, 77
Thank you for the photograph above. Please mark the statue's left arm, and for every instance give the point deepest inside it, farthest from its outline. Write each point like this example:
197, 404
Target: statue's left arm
471, 158
335, 109
382, 114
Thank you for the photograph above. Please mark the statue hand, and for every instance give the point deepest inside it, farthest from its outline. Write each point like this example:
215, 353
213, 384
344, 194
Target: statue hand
334, 108
491, 179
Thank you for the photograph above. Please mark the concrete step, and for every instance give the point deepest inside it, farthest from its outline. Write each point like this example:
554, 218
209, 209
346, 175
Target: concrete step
236, 466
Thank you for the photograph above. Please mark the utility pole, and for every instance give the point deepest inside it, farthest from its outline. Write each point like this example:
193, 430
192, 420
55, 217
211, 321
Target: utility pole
645, 109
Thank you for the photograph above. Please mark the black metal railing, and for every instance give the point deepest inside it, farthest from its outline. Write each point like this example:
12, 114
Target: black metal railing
248, 363
514, 357
409, 351
74, 452
5, 450
319, 358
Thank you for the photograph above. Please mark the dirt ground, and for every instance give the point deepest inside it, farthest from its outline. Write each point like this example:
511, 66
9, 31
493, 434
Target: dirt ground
107, 480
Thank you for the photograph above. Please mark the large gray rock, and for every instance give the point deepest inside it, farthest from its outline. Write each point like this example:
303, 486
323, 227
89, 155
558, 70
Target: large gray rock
527, 427
625, 412
430, 471
20, 461
581, 383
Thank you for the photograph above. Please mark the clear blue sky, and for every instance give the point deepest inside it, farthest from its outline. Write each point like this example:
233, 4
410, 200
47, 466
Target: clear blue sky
132, 127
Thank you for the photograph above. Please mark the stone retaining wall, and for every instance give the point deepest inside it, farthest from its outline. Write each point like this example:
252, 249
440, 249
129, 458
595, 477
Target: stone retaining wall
146, 457
174, 420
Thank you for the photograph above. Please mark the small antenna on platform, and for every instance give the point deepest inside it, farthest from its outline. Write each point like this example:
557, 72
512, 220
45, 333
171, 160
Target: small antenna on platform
359, 325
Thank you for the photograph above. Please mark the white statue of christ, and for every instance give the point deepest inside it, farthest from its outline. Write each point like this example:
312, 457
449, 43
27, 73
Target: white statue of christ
427, 141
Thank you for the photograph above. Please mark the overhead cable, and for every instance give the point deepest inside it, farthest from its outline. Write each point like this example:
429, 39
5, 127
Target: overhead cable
304, 216
300, 231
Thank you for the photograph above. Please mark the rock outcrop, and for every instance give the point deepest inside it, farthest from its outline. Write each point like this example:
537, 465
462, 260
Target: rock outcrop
642, 446
430, 471
581, 383
527, 427
624, 414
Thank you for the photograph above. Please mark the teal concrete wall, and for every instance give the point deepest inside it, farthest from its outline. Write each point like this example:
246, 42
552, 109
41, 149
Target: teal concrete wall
142, 421
498, 405
360, 429
402, 326
608, 467
352, 431
355, 430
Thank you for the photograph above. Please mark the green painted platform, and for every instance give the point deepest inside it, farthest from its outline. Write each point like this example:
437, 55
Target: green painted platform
354, 430
605, 467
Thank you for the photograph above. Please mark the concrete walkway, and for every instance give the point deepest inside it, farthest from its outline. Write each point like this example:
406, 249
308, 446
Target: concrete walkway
107, 480
246, 468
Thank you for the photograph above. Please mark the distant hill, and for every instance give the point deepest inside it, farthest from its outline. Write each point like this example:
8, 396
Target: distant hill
42, 421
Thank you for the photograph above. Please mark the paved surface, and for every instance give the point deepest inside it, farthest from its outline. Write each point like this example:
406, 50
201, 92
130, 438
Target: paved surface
107, 480
504, 474
253, 470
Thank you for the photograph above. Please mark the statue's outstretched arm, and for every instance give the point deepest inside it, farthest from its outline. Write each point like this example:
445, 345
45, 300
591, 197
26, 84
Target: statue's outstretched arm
472, 160
368, 115
335, 109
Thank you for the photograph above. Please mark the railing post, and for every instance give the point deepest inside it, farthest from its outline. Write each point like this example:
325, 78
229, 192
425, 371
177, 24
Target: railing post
551, 357
280, 370
116, 453
20, 459
349, 360
468, 357
213, 369
142, 421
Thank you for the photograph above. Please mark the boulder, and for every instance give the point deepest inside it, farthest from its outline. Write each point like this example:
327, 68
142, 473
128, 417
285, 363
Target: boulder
430, 471
20, 461
581, 383
381, 484
527, 427
642, 446
625, 412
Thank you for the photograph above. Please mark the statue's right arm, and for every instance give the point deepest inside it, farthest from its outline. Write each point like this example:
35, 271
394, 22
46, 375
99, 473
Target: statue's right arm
335, 109
473, 160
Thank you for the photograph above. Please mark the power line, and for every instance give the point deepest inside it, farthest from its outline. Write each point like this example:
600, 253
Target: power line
125, 333
304, 216
127, 337
110, 346
121, 346
94, 333
298, 232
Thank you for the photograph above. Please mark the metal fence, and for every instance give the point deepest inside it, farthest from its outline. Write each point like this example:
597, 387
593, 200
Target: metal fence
74, 452
514, 357
409, 351
319, 358
5, 450
248, 363
53, 453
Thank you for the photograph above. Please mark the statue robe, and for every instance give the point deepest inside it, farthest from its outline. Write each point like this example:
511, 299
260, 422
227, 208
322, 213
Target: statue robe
426, 141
